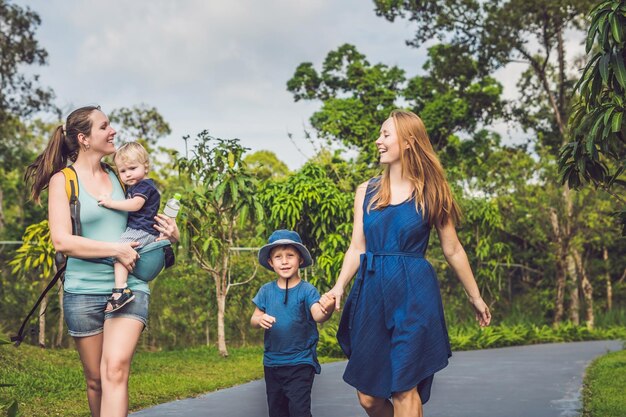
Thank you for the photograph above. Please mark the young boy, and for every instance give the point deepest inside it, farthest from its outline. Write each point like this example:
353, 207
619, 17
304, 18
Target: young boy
142, 204
289, 310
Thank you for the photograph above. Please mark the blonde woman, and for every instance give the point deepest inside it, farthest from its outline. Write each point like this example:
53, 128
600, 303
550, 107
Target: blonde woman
392, 328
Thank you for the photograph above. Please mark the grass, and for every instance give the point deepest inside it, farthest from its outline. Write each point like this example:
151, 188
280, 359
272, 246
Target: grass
605, 385
51, 383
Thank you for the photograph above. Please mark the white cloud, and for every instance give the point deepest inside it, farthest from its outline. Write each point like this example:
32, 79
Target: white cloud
220, 65
217, 65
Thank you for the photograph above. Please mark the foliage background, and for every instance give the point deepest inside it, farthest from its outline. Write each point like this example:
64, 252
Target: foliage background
509, 193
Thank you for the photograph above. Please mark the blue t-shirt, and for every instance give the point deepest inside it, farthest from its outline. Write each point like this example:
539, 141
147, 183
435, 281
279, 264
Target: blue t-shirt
292, 340
143, 219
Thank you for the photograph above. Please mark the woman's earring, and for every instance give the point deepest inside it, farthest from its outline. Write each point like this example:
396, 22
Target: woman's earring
86, 146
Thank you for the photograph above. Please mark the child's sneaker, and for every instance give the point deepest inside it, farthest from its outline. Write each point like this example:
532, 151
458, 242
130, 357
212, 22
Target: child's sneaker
114, 304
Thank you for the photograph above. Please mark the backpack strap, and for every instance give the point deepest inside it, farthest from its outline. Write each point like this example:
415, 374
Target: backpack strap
71, 188
71, 182
19, 338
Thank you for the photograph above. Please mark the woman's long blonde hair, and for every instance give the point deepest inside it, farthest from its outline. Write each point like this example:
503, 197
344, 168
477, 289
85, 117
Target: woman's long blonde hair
421, 166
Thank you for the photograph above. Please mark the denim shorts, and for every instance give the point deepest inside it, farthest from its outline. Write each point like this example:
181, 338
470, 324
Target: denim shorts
85, 316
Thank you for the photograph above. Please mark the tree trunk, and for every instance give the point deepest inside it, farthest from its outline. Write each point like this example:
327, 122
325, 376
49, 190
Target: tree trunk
574, 307
42, 322
557, 103
207, 333
574, 312
586, 287
509, 287
1, 208
562, 79
607, 277
61, 323
242, 333
221, 334
559, 302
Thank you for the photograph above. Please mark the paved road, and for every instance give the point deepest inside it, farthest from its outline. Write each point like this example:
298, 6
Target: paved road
538, 381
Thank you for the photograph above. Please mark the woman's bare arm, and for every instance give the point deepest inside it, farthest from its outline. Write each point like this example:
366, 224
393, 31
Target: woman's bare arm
457, 258
351, 259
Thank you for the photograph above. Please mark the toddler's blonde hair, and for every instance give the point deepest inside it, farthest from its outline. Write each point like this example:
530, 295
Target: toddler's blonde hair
133, 152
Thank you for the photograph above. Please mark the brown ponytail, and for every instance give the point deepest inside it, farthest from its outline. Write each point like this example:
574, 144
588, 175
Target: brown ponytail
63, 145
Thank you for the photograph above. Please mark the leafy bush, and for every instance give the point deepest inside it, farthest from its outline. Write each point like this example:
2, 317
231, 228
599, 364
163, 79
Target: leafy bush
473, 337
328, 345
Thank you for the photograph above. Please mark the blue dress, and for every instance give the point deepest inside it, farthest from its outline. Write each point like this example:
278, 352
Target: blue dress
392, 328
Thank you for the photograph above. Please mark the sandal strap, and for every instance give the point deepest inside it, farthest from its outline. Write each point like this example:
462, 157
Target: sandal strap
116, 302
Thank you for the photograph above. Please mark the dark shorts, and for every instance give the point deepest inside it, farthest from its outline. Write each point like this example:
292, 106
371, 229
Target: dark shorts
289, 390
85, 316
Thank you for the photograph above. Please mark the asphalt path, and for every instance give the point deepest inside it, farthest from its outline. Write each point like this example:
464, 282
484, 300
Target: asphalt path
537, 380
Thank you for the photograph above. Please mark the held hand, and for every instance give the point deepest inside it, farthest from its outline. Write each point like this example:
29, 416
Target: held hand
168, 228
336, 292
266, 321
127, 256
483, 315
327, 303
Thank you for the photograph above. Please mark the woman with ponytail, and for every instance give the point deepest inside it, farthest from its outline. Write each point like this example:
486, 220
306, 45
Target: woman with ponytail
392, 328
105, 341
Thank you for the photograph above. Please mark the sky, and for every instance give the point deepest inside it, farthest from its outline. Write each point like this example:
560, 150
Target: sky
219, 65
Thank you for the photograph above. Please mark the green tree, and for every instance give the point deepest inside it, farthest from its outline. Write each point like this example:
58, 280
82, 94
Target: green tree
597, 234
453, 97
16, 213
597, 152
25, 138
356, 97
141, 122
179, 317
37, 254
221, 197
266, 165
21, 96
311, 203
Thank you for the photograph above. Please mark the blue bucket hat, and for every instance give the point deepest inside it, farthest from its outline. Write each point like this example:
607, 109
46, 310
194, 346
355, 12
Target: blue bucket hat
284, 237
